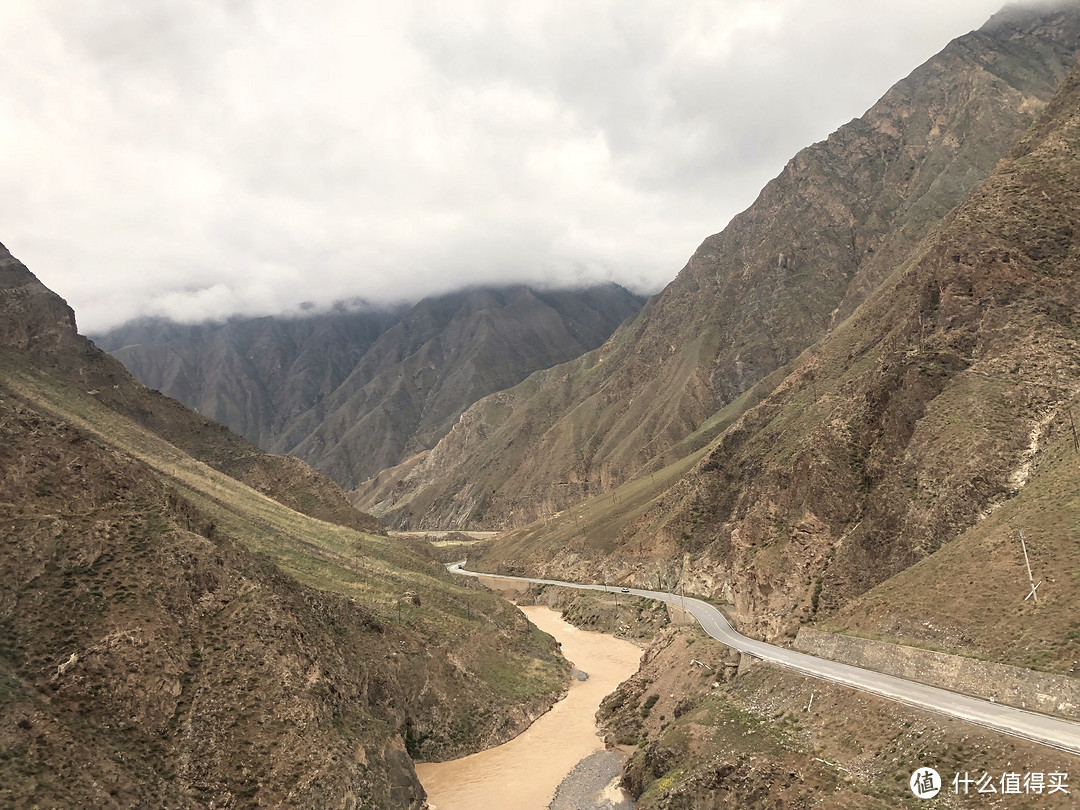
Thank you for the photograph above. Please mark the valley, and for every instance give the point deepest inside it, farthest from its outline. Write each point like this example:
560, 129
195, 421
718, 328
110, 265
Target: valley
174, 636
525, 772
811, 513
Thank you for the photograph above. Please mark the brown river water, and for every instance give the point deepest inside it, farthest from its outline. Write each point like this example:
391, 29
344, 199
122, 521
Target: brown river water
523, 773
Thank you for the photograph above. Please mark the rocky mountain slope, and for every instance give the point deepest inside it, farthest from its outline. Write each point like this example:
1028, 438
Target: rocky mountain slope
38, 323
818, 241
919, 415
352, 393
171, 636
708, 740
253, 375
905, 450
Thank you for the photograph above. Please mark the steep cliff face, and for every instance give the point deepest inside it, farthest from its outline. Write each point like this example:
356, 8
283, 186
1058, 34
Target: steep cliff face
819, 239
353, 393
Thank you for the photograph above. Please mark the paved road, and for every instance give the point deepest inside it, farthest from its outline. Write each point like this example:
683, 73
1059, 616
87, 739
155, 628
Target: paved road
1040, 728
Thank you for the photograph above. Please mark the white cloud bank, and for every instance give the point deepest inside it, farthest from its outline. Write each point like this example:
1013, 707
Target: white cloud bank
200, 158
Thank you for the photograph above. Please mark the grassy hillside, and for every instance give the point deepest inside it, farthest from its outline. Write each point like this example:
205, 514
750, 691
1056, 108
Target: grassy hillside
589, 537
969, 596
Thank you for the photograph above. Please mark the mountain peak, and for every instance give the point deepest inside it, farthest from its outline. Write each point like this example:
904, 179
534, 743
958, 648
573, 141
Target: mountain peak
32, 317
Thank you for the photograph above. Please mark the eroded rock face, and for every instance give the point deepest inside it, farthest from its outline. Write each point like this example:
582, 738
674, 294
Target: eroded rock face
817, 242
918, 417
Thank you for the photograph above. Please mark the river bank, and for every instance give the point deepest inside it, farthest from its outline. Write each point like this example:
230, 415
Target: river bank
525, 772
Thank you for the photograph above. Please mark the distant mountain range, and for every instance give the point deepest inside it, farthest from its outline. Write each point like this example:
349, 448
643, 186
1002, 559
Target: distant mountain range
354, 393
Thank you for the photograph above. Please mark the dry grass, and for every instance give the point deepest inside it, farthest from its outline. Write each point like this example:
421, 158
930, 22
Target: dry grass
374, 569
968, 597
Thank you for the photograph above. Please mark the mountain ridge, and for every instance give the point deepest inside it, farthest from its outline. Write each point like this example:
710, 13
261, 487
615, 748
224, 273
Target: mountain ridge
356, 392
921, 421
818, 240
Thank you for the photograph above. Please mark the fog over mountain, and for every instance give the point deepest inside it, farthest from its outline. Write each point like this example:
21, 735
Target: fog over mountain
198, 160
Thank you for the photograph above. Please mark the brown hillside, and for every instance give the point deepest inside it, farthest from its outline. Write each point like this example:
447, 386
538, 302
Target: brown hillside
819, 239
36, 320
147, 658
172, 637
924, 415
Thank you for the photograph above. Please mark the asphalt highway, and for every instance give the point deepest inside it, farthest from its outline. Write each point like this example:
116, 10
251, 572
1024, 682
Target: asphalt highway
1053, 731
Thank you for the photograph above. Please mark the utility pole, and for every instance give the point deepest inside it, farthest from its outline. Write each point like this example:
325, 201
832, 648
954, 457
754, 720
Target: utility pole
682, 586
1072, 424
1031, 580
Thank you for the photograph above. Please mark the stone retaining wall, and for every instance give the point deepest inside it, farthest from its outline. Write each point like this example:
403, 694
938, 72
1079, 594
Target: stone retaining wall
1014, 686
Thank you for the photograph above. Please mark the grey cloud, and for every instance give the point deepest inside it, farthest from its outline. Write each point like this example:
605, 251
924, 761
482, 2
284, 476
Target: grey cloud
198, 159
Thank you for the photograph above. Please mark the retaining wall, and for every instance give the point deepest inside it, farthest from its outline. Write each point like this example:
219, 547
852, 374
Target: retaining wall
1014, 686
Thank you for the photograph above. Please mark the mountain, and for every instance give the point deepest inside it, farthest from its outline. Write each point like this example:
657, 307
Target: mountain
171, 636
353, 393
893, 482
408, 390
879, 483
785, 273
254, 375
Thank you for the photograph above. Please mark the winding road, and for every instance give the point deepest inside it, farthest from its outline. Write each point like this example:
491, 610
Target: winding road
1053, 731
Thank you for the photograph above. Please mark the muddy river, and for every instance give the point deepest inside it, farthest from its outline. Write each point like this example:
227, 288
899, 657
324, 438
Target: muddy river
524, 773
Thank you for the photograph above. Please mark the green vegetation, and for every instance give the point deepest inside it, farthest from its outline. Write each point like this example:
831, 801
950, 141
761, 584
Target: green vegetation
517, 675
646, 707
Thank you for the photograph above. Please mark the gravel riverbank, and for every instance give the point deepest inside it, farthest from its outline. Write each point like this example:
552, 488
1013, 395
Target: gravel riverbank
593, 785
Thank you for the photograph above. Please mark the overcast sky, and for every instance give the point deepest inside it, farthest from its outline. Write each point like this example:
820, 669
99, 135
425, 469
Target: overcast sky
201, 158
